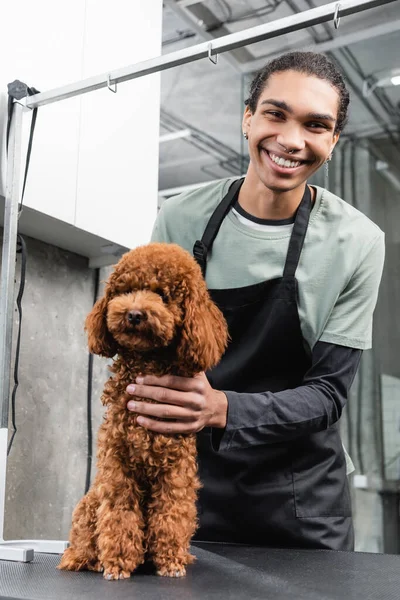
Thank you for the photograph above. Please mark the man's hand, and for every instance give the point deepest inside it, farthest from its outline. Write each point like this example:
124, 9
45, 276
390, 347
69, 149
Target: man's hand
190, 402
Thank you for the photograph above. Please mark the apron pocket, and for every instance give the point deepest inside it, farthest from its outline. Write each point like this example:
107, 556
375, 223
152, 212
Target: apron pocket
320, 482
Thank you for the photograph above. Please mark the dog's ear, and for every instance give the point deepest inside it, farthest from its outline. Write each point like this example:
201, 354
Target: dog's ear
100, 340
204, 333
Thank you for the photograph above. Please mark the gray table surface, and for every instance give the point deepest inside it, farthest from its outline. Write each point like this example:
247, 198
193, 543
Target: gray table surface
223, 572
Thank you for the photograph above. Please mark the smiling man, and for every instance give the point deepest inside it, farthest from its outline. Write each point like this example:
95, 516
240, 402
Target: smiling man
296, 272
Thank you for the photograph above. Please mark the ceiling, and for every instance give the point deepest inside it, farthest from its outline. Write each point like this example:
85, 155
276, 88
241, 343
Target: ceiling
203, 102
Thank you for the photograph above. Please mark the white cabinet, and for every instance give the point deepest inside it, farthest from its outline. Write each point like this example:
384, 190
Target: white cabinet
93, 179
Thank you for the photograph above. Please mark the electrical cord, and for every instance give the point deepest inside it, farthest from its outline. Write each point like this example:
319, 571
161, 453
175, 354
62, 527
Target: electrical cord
21, 248
16, 91
89, 396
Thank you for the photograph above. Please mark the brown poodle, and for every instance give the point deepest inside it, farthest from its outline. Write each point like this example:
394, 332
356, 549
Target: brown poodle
157, 317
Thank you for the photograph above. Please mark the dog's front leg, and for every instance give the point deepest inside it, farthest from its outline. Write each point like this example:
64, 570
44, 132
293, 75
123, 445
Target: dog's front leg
120, 524
171, 518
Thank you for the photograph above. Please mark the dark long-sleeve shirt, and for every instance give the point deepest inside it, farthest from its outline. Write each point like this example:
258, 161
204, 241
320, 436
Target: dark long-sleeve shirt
267, 418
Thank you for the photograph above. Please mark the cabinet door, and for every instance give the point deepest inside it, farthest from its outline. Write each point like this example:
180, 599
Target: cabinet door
47, 54
118, 152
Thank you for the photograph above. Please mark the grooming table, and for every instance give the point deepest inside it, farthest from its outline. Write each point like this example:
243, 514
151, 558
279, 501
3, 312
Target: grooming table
221, 572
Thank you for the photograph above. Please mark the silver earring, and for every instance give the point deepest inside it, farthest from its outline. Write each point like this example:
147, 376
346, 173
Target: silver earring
245, 135
326, 178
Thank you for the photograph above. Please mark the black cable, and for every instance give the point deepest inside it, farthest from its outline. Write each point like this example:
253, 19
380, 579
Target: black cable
89, 397
21, 248
16, 91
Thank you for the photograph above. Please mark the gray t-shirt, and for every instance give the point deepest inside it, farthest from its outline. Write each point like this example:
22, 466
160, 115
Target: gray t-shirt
339, 270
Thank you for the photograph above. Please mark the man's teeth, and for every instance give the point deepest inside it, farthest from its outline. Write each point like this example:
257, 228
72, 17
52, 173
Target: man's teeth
284, 163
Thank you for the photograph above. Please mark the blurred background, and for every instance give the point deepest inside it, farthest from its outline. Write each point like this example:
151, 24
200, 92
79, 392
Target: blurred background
186, 124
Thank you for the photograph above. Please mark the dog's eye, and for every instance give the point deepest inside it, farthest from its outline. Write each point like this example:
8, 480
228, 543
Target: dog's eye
162, 294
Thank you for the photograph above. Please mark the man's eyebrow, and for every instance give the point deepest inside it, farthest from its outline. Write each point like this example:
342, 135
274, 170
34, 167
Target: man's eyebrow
279, 104
319, 117
284, 106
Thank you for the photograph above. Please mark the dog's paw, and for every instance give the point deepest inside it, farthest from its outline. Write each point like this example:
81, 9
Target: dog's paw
190, 559
173, 570
113, 573
97, 567
72, 561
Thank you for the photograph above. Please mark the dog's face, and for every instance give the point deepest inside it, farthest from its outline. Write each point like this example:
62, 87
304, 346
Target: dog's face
146, 311
156, 297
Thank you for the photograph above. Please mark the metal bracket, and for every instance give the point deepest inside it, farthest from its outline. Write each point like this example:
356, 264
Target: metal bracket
19, 91
336, 18
22, 104
114, 91
210, 55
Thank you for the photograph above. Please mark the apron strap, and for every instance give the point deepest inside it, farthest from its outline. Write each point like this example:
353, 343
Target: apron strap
201, 247
298, 234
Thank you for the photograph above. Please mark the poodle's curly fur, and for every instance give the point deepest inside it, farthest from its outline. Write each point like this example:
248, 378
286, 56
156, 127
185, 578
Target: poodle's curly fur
156, 315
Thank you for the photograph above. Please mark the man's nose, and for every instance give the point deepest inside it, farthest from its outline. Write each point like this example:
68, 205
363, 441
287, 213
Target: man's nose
291, 139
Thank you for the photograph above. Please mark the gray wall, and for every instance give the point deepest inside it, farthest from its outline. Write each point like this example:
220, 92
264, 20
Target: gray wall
47, 463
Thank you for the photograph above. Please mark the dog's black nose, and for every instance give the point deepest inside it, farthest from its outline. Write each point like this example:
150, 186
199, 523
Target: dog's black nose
135, 317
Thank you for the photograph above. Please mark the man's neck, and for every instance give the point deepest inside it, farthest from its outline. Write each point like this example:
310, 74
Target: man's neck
263, 203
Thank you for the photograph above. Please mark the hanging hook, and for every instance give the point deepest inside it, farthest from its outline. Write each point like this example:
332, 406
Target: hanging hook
114, 91
210, 56
336, 18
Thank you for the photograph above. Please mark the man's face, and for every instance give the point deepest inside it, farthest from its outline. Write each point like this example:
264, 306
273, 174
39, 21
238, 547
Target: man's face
295, 112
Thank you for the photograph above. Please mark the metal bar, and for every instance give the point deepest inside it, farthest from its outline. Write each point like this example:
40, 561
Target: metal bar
337, 42
195, 24
252, 35
185, 3
8, 260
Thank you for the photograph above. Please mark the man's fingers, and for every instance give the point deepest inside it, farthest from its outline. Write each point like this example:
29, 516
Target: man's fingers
173, 382
164, 395
161, 411
167, 427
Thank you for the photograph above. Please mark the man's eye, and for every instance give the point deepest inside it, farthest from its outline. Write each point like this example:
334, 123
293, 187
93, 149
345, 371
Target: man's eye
274, 113
162, 294
316, 125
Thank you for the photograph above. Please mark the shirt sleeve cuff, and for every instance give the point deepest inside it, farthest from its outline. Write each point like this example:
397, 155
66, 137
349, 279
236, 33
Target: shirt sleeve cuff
221, 439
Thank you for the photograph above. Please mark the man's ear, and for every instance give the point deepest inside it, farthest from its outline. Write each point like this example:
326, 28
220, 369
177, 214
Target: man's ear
335, 141
246, 121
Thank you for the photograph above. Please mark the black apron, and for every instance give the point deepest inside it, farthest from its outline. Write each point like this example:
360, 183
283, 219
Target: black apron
288, 494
